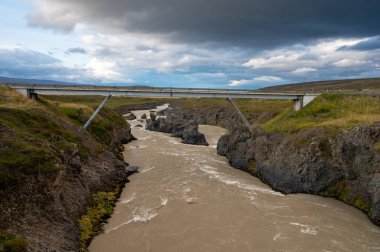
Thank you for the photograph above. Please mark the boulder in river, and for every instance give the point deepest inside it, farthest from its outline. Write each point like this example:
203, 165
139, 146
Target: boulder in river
143, 116
179, 126
163, 112
132, 169
130, 116
152, 116
191, 135
138, 126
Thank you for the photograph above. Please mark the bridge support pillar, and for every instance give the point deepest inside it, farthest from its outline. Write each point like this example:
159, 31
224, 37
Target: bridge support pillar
298, 104
96, 112
302, 101
240, 114
31, 94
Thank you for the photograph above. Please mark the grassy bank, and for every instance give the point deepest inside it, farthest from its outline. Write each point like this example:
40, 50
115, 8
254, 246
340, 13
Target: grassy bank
330, 110
116, 103
353, 85
91, 222
40, 140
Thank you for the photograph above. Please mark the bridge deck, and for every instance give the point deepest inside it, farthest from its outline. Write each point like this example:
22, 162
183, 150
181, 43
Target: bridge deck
151, 92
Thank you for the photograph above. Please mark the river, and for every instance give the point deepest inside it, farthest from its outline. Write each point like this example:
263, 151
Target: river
187, 198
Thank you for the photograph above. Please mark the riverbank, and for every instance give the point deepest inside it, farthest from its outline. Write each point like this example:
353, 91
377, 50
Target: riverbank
330, 148
51, 171
188, 198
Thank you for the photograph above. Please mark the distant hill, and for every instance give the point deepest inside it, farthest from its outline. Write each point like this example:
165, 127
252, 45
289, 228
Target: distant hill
47, 82
31, 81
335, 85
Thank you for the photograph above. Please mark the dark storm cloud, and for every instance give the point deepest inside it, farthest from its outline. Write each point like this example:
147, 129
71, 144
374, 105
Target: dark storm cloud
79, 50
252, 23
367, 45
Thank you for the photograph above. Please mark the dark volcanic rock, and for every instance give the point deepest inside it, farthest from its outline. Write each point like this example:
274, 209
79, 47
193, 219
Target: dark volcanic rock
179, 126
45, 210
163, 112
190, 135
152, 116
132, 169
130, 116
341, 164
143, 116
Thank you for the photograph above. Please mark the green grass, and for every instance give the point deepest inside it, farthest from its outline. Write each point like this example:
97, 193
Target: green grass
247, 106
113, 103
253, 109
33, 138
328, 110
357, 85
26, 135
376, 146
90, 224
11, 243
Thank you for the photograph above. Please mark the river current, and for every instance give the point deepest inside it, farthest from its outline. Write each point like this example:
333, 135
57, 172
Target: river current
187, 198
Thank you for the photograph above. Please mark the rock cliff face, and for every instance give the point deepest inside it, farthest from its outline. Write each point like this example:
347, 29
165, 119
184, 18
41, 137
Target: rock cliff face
44, 207
341, 163
179, 125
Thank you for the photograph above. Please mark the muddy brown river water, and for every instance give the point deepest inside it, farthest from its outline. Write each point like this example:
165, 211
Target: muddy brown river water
187, 198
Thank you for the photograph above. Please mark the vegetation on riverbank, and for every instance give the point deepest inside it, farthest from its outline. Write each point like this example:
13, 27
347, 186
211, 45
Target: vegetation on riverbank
332, 110
11, 243
40, 143
119, 104
353, 85
91, 222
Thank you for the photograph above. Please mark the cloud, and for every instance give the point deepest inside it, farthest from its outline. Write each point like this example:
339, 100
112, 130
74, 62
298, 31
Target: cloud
301, 59
78, 50
349, 63
372, 43
304, 70
247, 23
16, 61
258, 81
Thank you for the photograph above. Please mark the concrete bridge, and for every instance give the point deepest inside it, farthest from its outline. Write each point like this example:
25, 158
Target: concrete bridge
33, 90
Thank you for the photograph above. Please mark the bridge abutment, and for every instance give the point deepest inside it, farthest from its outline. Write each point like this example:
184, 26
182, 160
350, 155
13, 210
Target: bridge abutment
31, 94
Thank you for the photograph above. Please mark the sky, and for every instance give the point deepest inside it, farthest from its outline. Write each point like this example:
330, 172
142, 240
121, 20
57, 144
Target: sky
190, 43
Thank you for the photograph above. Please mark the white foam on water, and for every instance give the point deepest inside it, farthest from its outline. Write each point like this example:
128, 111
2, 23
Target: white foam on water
144, 138
147, 169
137, 147
213, 173
175, 154
130, 199
164, 201
145, 215
306, 229
277, 236
186, 196
172, 141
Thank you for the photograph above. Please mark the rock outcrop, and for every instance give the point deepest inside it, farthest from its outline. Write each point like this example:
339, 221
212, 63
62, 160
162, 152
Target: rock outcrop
152, 116
179, 126
43, 205
130, 116
339, 163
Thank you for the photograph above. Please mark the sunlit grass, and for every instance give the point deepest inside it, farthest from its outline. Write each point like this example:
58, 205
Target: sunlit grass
11, 99
329, 110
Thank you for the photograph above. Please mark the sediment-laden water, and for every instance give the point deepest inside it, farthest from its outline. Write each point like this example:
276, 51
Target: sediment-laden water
187, 198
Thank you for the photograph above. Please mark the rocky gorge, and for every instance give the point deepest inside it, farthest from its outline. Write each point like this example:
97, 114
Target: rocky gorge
52, 172
337, 162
